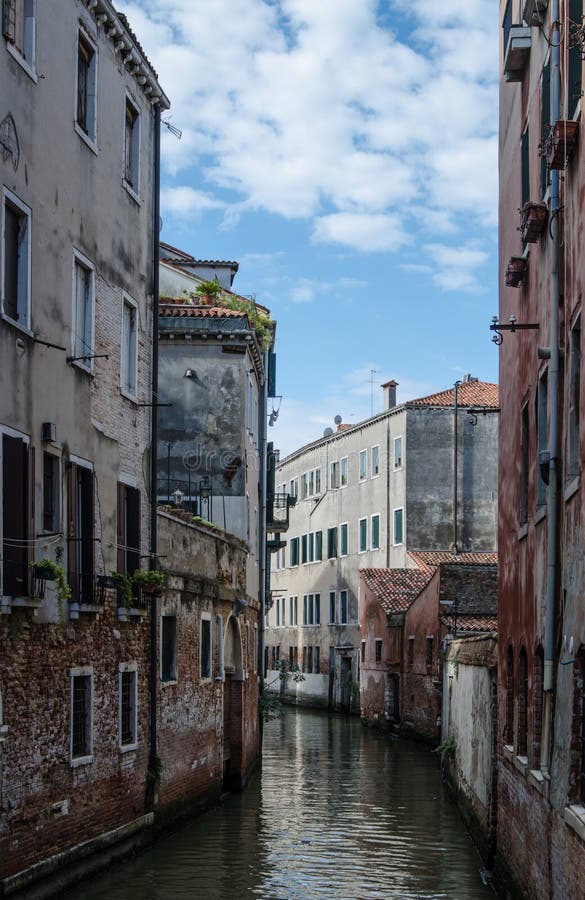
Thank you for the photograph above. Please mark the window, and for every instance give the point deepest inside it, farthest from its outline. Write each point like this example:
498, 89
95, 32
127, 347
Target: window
132, 146
50, 493
318, 546
429, 653
16, 244
83, 300
128, 529
309, 659
343, 464
316, 660
525, 163
305, 610
544, 125
524, 465
311, 488
255, 649
19, 29
311, 549
168, 648
334, 475
343, 539
573, 444
127, 687
363, 535
332, 599
577, 743
398, 452
80, 512
376, 532
292, 610
85, 117
398, 527
304, 556
17, 522
410, 653
304, 486
363, 652
537, 704
128, 355
283, 611
541, 434
522, 743
378, 650
343, 607
81, 715
363, 464
318, 480
206, 648
294, 551
331, 543
294, 487
277, 612
375, 461
317, 609
509, 727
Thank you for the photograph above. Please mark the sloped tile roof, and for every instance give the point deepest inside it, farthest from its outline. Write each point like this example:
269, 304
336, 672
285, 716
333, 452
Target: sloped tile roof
396, 589
432, 558
474, 623
469, 393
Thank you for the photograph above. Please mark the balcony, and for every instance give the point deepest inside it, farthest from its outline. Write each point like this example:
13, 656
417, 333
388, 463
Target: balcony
533, 221
517, 52
516, 271
277, 508
560, 143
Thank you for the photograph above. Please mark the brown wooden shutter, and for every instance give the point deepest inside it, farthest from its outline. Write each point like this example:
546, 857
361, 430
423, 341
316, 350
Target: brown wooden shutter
121, 558
72, 529
9, 20
133, 529
30, 499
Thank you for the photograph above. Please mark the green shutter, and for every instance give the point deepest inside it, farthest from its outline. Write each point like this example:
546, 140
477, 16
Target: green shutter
525, 154
574, 80
544, 125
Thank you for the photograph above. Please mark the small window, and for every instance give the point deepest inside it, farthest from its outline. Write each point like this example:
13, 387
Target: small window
318, 546
331, 543
334, 475
378, 650
129, 344
304, 486
410, 652
397, 452
127, 708
128, 560
429, 652
19, 29
83, 315
305, 610
132, 147
16, 243
376, 532
309, 659
316, 660
294, 551
317, 609
332, 607
363, 535
524, 464
304, 553
343, 607
168, 648
206, 648
311, 610
81, 714
363, 464
318, 481
50, 493
375, 461
343, 539
344, 475
398, 527
363, 653
311, 548
86, 86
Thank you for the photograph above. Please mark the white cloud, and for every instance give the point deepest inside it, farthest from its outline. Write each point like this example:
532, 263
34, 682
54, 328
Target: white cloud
361, 231
457, 268
186, 201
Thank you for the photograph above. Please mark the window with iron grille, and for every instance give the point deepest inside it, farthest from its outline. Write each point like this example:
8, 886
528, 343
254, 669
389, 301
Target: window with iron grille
81, 737
127, 708
168, 648
378, 650
206, 648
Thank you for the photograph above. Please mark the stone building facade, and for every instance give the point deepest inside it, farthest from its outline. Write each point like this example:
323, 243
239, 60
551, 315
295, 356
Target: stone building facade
541, 779
365, 496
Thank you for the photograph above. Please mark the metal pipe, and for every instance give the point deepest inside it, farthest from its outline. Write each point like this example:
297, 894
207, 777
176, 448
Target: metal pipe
264, 561
455, 467
553, 389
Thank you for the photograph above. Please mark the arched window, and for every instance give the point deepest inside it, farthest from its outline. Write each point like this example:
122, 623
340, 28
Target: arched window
522, 741
509, 728
537, 702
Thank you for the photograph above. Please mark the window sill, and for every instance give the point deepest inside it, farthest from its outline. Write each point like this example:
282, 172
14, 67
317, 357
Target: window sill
80, 367
128, 748
571, 487
76, 608
168, 683
130, 190
508, 751
523, 531
540, 514
81, 761
575, 819
521, 764
539, 781
89, 142
132, 398
22, 62
14, 324
125, 613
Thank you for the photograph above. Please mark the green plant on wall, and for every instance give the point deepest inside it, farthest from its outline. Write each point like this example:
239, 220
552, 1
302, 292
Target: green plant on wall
446, 749
262, 324
53, 570
124, 588
150, 580
208, 289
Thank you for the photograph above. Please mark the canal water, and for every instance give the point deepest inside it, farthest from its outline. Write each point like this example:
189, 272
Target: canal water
338, 812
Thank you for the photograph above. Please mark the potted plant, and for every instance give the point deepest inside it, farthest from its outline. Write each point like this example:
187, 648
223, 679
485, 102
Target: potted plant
124, 589
533, 220
208, 293
516, 271
54, 571
151, 581
560, 143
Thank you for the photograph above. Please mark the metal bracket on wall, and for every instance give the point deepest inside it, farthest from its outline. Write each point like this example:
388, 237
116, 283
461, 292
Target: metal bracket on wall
512, 326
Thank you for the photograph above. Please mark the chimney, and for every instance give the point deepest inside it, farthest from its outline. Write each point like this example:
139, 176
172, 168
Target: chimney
389, 389
276, 457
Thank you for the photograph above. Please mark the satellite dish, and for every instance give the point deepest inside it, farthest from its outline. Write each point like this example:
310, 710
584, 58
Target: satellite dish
328, 432
338, 420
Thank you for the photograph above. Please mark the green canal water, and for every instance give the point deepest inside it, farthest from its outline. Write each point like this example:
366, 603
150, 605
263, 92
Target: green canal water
337, 812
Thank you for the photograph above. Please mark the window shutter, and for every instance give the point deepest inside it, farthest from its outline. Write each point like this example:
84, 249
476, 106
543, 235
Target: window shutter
121, 560
30, 503
9, 20
72, 529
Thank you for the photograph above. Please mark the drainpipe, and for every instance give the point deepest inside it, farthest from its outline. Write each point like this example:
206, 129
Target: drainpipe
553, 388
264, 572
455, 471
153, 447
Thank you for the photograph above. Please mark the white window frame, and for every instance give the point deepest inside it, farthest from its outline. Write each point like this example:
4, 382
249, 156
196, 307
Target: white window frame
133, 187
128, 667
79, 259
344, 479
205, 617
363, 455
89, 137
332, 606
341, 619
364, 548
25, 57
372, 517
318, 481
397, 509
76, 672
334, 474
23, 264
164, 683
340, 548
399, 464
126, 362
377, 473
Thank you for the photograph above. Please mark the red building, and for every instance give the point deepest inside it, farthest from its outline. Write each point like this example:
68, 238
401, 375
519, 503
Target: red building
541, 614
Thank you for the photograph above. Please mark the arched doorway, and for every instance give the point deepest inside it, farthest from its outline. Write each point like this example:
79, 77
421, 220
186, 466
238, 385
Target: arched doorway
233, 707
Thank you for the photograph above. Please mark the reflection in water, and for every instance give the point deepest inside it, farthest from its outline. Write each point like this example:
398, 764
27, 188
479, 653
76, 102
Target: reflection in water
339, 812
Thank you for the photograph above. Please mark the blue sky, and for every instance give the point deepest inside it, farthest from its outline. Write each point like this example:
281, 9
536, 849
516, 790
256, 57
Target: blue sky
345, 153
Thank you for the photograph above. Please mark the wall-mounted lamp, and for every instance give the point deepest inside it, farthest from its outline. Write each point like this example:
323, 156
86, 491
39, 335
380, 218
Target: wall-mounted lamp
513, 325
205, 487
190, 373
178, 495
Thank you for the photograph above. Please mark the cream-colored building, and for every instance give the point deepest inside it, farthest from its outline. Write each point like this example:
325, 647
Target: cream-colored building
366, 494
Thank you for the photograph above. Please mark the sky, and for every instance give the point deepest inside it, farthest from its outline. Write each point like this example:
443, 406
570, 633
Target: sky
344, 152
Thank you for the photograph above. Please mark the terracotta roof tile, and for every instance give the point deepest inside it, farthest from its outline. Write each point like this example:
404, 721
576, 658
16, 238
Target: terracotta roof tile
432, 558
474, 623
469, 393
185, 310
396, 589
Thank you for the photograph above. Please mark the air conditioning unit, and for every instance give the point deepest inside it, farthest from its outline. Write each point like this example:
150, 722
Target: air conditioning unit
534, 11
48, 431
